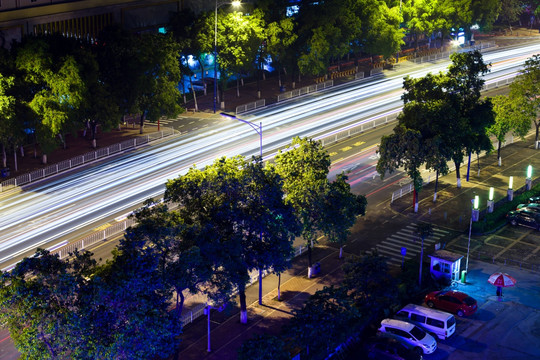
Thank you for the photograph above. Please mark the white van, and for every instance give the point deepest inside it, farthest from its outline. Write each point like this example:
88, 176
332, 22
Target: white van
434, 321
421, 341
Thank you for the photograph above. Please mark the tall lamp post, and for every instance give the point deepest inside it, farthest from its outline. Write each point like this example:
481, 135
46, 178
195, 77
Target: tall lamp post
233, 3
258, 130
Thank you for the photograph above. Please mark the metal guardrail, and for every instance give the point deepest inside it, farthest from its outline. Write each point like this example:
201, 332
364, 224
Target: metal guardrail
357, 128
83, 159
446, 54
305, 90
250, 106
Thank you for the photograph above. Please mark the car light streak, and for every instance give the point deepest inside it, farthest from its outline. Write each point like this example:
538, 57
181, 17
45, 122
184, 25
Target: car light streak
80, 201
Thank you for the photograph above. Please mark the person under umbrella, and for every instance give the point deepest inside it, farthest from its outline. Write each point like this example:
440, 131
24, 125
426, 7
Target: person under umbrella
501, 280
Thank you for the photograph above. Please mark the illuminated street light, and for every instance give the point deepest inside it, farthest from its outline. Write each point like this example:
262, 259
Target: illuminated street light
510, 190
528, 180
490, 200
235, 4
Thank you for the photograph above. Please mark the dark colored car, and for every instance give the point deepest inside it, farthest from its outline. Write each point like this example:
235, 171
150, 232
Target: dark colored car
532, 207
524, 217
386, 348
452, 301
534, 200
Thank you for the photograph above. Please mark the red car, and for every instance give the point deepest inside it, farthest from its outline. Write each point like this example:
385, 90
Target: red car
452, 301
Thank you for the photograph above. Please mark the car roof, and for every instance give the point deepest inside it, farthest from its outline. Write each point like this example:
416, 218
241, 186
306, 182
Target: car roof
426, 310
457, 294
407, 326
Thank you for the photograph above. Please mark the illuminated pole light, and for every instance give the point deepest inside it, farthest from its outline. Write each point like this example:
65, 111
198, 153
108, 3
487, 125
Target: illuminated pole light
475, 211
490, 200
510, 190
528, 180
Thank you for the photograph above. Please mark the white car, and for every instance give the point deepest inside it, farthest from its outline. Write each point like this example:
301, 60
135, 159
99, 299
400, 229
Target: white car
412, 334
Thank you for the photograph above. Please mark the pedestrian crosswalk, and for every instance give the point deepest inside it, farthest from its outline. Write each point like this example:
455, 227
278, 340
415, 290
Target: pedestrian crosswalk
407, 238
162, 122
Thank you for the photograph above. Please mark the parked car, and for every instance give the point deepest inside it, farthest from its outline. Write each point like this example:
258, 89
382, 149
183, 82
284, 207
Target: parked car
388, 348
435, 322
534, 200
452, 301
410, 333
524, 217
532, 207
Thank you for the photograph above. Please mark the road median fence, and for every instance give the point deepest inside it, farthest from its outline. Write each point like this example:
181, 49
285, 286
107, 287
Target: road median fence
83, 159
305, 90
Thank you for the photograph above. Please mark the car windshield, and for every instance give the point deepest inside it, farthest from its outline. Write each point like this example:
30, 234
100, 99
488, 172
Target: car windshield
469, 301
418, 333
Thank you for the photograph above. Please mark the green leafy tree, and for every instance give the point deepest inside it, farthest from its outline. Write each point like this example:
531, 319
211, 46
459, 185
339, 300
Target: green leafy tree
485, 13
238, 219
469, 132
262, 347
280, 37
403, 148
57, 88
340, 210
162, 232
510, 12
304, 168
7, 113
384, 36
508, 117
524, 93
327, 319
40, 302
127, 305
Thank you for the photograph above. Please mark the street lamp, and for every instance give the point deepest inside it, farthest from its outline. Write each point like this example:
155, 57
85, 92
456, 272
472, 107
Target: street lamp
258, 129
235, 4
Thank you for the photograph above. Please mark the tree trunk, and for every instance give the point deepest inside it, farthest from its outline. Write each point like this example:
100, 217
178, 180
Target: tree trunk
21, 148
279, 287
415, 201
340, 252
309, 260
94, 133
436, 185
237, 88
478, 162
44, 159
458, 175
62, 140
179, 304
4, 156
260, 286
15, 157
243, 307
141, 124
499, 153
194, 95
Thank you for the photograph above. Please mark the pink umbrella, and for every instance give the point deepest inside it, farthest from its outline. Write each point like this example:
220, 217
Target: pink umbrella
502, 279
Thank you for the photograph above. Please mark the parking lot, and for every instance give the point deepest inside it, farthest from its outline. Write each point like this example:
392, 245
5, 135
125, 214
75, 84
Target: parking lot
502, 328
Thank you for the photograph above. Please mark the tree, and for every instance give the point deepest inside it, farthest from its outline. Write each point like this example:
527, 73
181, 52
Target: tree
508, 118
402, 148
510, 12
57, 88
128, 304
279, 38
524, 93
162, 231
238, 219
327, 319
261, 347
40, 302
371, 286
7, 109
468, 133
484, 13
340, 210
304, 168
